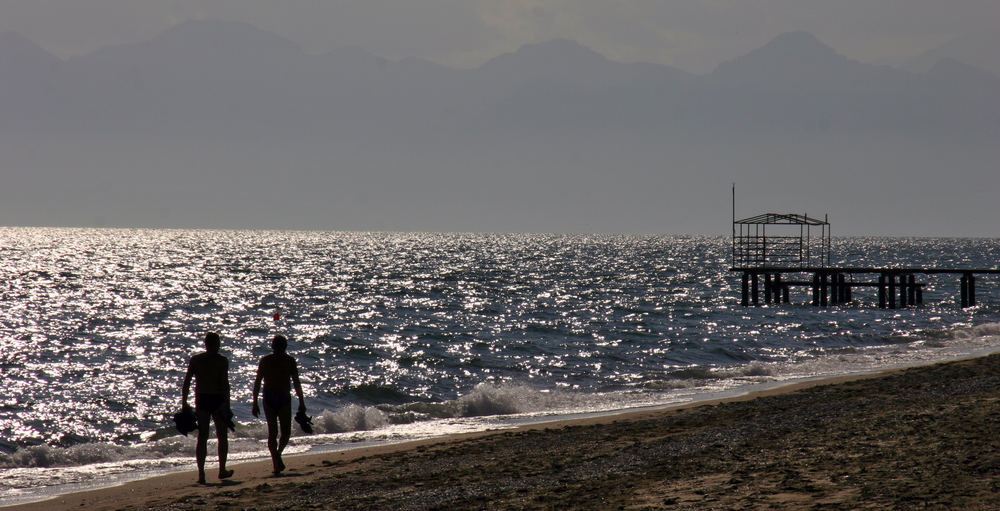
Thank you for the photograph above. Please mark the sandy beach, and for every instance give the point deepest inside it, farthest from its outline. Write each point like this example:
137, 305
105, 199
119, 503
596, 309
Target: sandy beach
922, 437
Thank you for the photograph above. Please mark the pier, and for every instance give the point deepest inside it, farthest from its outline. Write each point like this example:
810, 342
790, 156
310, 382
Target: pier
778, 251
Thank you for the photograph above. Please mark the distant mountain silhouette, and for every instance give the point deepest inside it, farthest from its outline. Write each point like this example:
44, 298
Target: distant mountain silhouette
18, 53
555, 63
798, 62
961, 73
979, 50
28, 74
228, 77
221, 124
198, 41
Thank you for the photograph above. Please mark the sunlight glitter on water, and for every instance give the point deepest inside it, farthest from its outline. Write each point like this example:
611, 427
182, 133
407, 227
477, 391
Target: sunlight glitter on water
402, 329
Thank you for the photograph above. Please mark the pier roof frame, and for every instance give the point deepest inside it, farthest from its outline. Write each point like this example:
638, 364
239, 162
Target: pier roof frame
781, 219
756, 246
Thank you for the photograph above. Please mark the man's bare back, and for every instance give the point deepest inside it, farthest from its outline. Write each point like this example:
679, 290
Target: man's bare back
211, 373
277, 371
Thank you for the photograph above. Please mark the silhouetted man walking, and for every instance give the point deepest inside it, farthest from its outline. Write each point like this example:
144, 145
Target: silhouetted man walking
211, 400
278, 372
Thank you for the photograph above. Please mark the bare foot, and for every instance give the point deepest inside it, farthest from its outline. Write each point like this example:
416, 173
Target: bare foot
225, 474
201, 478
278, 466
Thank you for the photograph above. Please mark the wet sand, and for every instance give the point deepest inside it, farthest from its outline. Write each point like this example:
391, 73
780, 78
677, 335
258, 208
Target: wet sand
919, 438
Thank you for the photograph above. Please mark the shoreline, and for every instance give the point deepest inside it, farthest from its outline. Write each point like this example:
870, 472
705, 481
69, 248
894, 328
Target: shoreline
512, 423
180, 486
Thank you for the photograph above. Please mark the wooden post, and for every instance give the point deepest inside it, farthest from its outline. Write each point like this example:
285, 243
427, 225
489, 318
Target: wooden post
834, 289
784, 292
902, 291
964, 292
754, 289
920, 294
823, 291
746, 289
911, 287
776, 288
768, 293
972, 290
816, 289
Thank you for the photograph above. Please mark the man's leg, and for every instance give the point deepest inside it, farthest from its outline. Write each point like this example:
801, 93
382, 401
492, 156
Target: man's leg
222, 433
272, 438
285, 416
201, 447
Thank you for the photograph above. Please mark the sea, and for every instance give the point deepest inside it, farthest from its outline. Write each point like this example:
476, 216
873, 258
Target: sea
403, 336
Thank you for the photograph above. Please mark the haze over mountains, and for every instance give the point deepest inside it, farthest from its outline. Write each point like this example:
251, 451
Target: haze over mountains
976, 49
220, 124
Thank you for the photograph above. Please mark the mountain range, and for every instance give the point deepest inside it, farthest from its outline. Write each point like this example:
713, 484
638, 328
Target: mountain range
231, 76
221, 124
975, 49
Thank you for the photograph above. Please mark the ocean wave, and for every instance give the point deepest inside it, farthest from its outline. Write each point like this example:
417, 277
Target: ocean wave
247, 439
662, 385
753, 369
45, 456
350, 418
374, 394
487, 399
483, 400
983, 330
374, 407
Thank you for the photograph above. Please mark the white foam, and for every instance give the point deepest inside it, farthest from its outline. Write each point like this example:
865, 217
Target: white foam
350, 418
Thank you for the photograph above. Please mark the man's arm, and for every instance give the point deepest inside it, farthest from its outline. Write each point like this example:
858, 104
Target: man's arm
298, 386
256, 390
187, 385
226, 377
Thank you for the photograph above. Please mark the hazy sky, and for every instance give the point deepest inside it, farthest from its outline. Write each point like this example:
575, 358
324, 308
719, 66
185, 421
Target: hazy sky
493, 158
694, 35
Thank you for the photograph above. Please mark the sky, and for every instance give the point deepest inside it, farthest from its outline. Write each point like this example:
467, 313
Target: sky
503, 175
694, 35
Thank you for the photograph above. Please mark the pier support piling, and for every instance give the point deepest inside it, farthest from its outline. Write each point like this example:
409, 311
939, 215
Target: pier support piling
903, 291
815, 289
964, 290
896, 287
824, 283
768, 293
834, 289
746, 289
911, 289
972, 290
881, 291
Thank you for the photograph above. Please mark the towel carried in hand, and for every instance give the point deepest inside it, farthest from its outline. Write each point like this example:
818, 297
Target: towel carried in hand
186, 421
